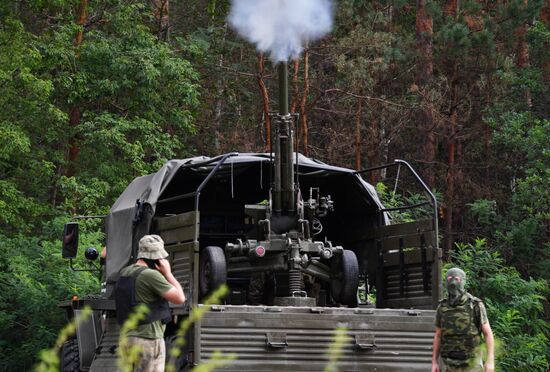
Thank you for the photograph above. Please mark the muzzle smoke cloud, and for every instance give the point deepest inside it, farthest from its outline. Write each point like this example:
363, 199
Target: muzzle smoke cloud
281, 27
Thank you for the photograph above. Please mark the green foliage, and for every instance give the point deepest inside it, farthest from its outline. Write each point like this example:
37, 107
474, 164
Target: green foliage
484, 211
336, 348
517, 303
24, 102
393, 199
526, 353
135, 100
135, 97
519, 225
34, 278
138, 97
49, 358
517, 308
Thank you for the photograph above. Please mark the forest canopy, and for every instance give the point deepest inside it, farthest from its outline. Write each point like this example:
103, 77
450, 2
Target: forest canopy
96, 93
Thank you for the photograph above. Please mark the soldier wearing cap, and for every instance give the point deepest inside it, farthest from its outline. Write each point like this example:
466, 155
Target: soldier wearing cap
459, 322
152, 280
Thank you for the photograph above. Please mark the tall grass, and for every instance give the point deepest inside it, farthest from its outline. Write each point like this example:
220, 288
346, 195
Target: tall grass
336, 348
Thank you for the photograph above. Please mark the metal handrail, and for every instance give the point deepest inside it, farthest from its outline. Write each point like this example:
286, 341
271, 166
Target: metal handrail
177, 197
376, 168
429, 192
433, 202
212, 172
405, 207
220, 159
86, 217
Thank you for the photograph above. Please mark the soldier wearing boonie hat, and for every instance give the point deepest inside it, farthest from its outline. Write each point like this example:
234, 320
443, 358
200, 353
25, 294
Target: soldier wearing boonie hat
149, 281
460, 320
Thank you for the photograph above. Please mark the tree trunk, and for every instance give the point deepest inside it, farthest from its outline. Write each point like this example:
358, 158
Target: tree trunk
160, 11
545, 19
523, 55
220, 97
458, 182
374, 144
295, 93
74, 110
295, 96
385, 150
265, 101
424, 34
450, 193
303, 113
358, 114
451, 10
487, 130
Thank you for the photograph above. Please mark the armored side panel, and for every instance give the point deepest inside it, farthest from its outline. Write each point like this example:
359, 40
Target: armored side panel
180, 234
405, 261
378, 339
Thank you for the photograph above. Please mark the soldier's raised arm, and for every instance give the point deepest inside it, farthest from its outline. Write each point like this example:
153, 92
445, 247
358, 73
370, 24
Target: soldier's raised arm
175, 295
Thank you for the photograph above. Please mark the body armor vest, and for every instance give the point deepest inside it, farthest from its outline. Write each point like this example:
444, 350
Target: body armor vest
125, 300
460, 329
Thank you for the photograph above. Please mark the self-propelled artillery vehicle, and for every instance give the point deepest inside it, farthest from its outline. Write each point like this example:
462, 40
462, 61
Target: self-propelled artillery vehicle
299, 243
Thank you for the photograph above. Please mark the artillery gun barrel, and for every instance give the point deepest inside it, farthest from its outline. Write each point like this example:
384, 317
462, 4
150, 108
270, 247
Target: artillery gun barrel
284, 197
283, 88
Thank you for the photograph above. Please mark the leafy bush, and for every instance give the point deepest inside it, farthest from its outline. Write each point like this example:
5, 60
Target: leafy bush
393, 199
517, 308
34, 278
518, 224
136, 99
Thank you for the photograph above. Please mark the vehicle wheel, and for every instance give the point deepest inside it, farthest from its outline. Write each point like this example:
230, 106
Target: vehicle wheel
179, 363
212, 270
345, 282
70, 356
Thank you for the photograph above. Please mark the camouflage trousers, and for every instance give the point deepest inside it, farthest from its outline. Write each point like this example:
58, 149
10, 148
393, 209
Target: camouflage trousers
474, 365
152, 356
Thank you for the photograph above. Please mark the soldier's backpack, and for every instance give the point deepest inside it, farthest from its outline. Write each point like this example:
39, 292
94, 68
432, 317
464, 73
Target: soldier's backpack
126, 302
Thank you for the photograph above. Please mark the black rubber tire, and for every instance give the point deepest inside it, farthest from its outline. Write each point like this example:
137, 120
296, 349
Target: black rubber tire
180, 363
343, 286
212, 270
70, 356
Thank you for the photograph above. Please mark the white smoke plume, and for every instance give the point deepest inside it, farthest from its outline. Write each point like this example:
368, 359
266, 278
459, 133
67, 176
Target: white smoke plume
281, 27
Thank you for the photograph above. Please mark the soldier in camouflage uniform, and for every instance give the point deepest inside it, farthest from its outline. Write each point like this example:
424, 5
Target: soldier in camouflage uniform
459, 322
